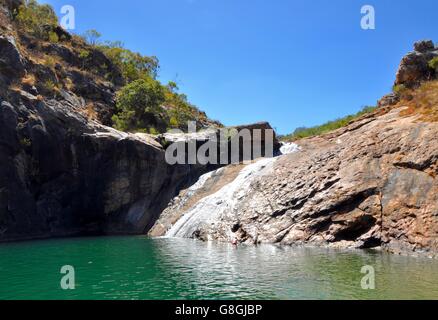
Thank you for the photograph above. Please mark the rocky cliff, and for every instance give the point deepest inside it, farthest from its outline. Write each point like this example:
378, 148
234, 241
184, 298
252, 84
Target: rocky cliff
63, 172
371, 184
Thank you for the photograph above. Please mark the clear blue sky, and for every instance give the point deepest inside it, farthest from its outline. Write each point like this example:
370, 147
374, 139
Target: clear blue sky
290, 62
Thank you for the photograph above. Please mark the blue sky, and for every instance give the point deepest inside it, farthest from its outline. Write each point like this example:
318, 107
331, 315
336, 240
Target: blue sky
291, 62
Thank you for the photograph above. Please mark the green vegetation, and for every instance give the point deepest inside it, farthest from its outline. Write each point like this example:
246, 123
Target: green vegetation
50, 87
180, 111
433, 64
132, 65
92, 37
143, 95
135, 102
423, 101
142, 103
26, 142
50, 62
84, 55
399, 88
37, 19
304, 132
53, 37
402, 91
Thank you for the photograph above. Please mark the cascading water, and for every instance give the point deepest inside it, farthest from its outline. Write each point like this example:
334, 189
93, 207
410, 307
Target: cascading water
287, 148
222, 204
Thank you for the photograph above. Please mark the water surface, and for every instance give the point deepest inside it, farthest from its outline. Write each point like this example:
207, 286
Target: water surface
142, 268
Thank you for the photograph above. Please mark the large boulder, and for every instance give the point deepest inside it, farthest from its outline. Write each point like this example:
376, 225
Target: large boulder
424, 46
414, 67
250, 135
12, 64
388, 100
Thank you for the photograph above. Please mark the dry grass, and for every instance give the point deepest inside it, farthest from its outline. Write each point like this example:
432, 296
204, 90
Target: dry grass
15, 87
29, 80
91, 112
422, 101
4, 20
50, 61
69, 85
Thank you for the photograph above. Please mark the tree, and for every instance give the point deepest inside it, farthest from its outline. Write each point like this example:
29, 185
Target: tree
136, 101
172, 87
36, 19
132, 65
92, 37
433, 64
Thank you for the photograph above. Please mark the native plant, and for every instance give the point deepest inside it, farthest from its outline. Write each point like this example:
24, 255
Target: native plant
136, 102
37, 19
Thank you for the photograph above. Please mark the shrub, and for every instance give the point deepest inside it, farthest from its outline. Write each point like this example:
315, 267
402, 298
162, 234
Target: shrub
92, 37
90, 111
180, 110
136, 101
402, 91
424, 102
304, 132
172, 87
399, 88
28, 80
433, 64
153, 131
133, 66
50, 86
49, 61
36, 19
84, 55
53, 37
174, 122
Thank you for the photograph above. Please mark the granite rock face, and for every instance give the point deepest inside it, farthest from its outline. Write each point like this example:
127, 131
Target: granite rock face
12, 64
414, 67
62, 174
231, 144
371, 184
390, 99
62, 171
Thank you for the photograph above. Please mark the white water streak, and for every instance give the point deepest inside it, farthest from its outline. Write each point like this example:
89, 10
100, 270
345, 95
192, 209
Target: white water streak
222, 204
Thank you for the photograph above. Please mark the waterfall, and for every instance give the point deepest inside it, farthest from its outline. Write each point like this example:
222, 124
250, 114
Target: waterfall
222, 204
287, 148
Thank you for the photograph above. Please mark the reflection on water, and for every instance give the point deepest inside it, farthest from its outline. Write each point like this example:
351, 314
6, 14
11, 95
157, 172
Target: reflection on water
141, 268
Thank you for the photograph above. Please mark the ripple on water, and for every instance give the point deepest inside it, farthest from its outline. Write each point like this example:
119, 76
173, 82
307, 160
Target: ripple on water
141, 268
